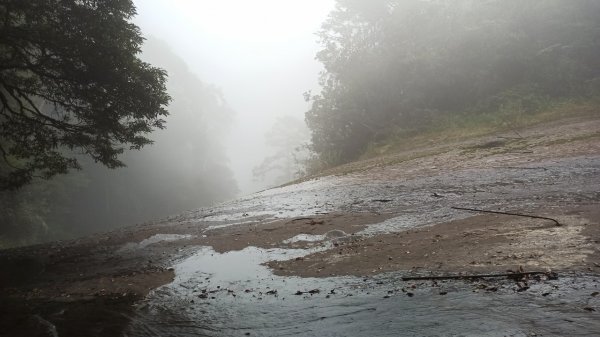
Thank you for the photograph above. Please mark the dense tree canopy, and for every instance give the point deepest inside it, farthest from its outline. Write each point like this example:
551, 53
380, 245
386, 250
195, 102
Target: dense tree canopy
184, 169
393, 64
71, 82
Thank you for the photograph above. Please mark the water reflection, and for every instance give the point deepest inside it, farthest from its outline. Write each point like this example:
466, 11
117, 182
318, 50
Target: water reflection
232, 294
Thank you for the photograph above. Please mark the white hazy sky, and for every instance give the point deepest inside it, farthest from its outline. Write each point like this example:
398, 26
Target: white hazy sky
260, 53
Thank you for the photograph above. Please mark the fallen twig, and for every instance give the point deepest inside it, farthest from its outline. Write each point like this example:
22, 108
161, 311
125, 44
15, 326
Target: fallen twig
300, 219
522, 168
382, 200
508, 213
312, 292
479, 276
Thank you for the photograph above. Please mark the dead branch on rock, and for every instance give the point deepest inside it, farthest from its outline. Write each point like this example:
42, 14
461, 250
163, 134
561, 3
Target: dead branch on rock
479, 276
508, 213
522, 168
382, 200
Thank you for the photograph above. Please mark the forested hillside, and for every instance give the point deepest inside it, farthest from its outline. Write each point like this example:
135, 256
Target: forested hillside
391, 68
185, 168
405, 65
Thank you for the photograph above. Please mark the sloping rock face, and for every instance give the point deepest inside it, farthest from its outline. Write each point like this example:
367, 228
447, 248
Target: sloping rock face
347, 237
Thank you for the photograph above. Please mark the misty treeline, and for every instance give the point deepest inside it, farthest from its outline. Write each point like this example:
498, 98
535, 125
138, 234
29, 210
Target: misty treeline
185, 168
390, 67
398, 65
289, 140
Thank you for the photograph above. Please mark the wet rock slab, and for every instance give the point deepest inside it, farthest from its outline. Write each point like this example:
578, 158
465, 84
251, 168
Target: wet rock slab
232, 270
232, 294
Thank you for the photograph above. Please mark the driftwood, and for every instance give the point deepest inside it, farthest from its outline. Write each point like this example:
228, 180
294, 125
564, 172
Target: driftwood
479, 276
508, 213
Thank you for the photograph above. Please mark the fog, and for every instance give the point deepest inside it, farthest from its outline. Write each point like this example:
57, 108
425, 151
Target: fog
260, 54
298, 168
258, 93
236, 72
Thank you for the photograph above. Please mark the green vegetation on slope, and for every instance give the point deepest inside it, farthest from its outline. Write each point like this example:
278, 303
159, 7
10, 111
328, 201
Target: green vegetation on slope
400, 68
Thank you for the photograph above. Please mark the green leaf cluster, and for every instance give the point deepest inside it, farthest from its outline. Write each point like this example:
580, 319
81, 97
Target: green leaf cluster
184, 169
71, 81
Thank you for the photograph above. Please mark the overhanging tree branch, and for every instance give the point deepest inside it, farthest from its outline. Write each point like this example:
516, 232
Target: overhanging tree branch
102, 95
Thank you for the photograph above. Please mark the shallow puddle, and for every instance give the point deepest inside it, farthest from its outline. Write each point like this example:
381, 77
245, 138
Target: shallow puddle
305, 238
233, 294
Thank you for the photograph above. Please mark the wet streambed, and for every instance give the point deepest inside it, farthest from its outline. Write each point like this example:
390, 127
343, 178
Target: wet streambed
233, 294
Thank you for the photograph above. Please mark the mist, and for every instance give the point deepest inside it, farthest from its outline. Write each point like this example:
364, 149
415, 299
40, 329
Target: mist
236, 72
261, 56
233, 97
299, 168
